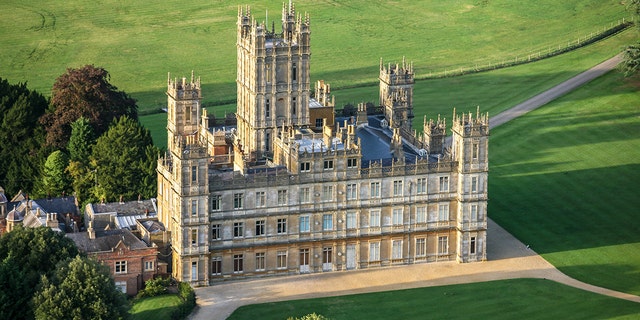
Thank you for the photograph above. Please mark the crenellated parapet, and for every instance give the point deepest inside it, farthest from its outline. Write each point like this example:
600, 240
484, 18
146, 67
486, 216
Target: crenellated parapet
435, 133
470, 125
183, 89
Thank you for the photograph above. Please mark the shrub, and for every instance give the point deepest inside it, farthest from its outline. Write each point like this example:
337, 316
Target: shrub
188, 297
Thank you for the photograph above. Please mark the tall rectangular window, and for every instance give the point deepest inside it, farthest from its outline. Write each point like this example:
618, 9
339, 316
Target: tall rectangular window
282, 225
121, 267
216, 232
148, 266
194, 173
194, 208
261, 199
352, 191
294, 106
352, 163
374, 251
396, 249
238, 200
397, 216
327, 193
351, 220
281, 260
443, 212
282, 197
194, 237
260, 261
216, 204
327, 255
474, 184
327, 222
421, 214
443, 245
238, 229
474, 151
421, 247
374, 218
267, 108
305, 166
444, 184
216, 265
474, 212
238, 263
304, 224
260, 227
375, 189
194, 270
472, 245
421, 185
397, 187
267, 141
187, 114
305, 195
328, 165
294, 72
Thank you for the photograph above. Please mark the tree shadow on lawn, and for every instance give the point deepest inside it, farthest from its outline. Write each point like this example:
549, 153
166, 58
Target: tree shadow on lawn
570, 210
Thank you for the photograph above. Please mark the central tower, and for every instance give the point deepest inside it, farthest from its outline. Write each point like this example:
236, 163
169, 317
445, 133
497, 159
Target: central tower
272, 81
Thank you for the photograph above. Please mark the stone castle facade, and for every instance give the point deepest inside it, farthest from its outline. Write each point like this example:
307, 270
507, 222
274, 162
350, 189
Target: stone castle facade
292, 188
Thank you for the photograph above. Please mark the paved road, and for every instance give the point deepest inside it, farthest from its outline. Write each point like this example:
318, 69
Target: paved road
507, 257
555, 92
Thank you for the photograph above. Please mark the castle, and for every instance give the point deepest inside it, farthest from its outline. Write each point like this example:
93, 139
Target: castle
290, 187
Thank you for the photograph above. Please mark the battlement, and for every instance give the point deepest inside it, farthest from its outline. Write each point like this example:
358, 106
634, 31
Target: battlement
292, 25
182, 89
397, 74
468, 125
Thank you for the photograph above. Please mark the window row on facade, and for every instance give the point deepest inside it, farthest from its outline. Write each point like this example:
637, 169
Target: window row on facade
328, 222
328, 257
328, 193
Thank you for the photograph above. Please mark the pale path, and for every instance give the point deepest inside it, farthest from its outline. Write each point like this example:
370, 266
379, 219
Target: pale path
555, 92
507, 257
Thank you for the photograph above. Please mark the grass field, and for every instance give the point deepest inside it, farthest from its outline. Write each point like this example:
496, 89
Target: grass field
564, 179
140, 41
510, 299
155, 308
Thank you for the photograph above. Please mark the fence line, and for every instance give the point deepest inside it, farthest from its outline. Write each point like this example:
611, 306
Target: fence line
534, 55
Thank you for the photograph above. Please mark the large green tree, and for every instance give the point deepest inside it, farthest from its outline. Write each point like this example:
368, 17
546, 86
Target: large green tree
81, 140
125, 161
84, 92
80, 289
55, 178
631, 60
21, 136
25, 255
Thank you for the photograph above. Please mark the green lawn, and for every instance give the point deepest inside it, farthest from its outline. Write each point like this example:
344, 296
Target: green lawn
509, 299
564, 179
140, 41
155, 308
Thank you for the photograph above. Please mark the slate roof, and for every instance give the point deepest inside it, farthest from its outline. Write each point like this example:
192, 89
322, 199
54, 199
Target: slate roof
106, 240
126, 208
61, 205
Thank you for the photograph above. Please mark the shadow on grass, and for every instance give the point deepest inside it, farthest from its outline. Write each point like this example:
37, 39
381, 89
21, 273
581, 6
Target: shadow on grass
569, 210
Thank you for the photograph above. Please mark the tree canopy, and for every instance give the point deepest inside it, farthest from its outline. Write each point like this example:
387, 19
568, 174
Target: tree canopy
81, 140
55, 178
20, 136
25, 255
84, 92
80, 289
125, 161
631, 60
